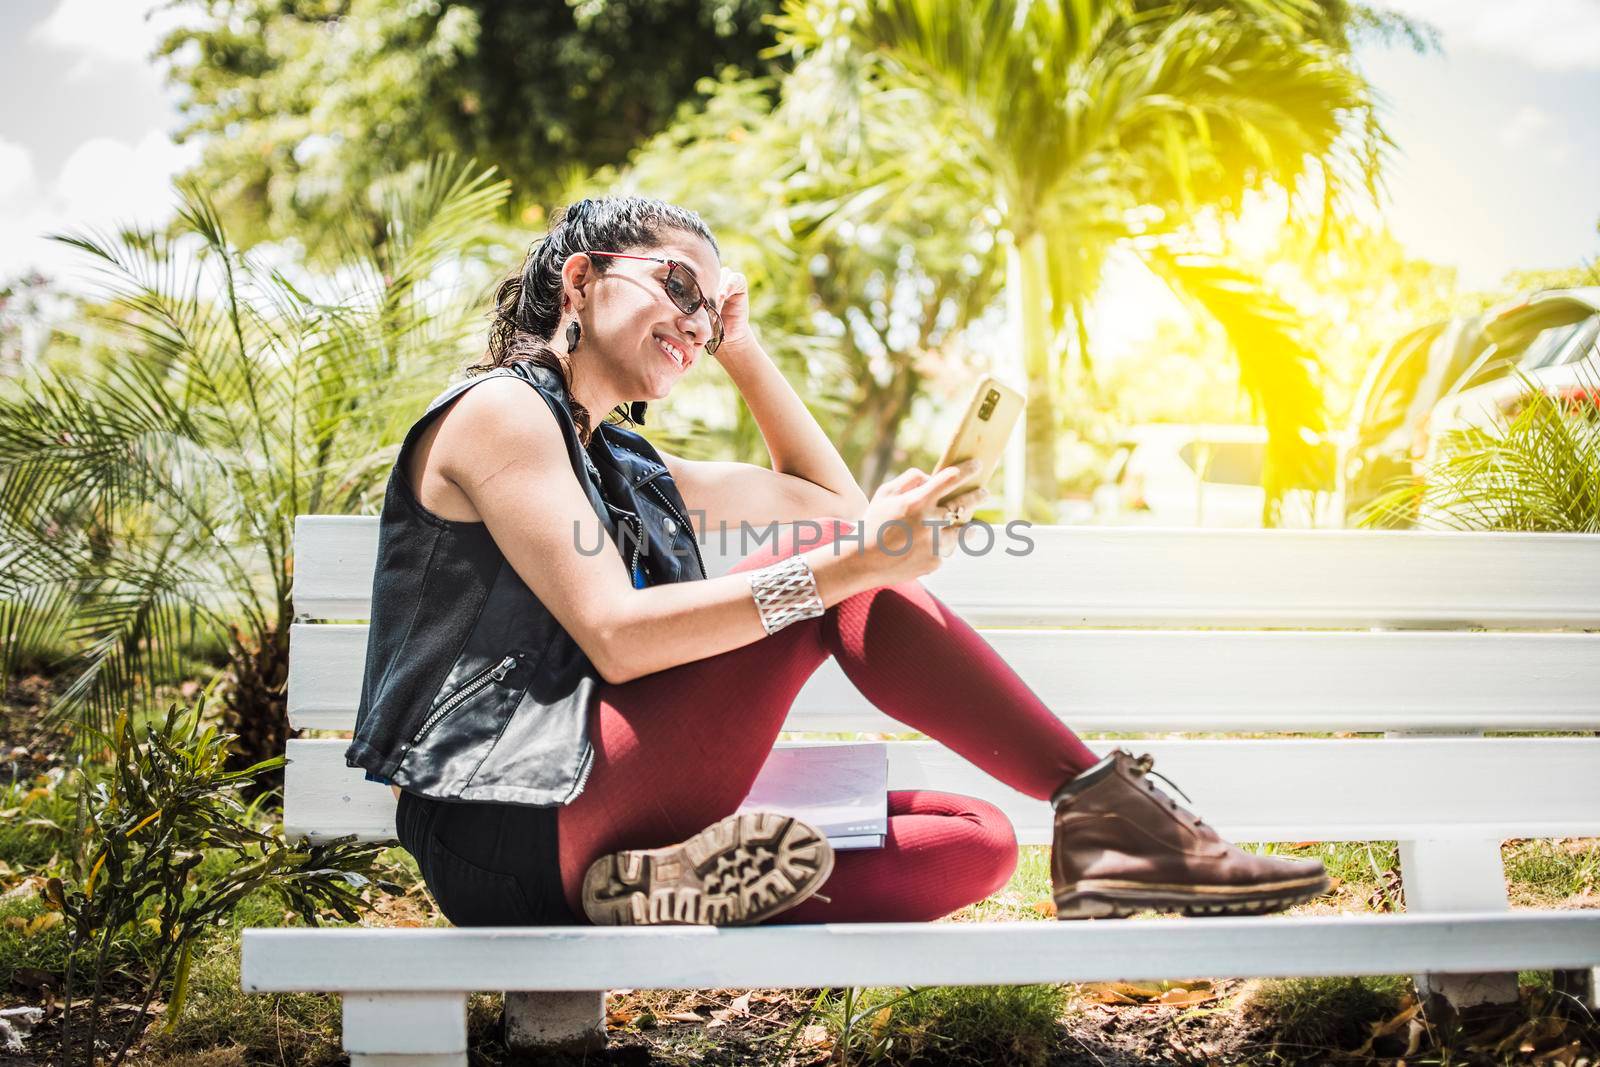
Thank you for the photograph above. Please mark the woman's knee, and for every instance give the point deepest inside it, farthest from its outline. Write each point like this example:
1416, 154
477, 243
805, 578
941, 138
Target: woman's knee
981, 843
995, 842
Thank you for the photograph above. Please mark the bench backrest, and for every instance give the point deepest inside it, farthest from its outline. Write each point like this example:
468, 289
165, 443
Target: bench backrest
1144, 631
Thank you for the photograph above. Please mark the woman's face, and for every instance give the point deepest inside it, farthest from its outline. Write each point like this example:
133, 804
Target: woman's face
633, 322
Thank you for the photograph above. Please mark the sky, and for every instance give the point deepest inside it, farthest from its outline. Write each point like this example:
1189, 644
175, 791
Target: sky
1498, 165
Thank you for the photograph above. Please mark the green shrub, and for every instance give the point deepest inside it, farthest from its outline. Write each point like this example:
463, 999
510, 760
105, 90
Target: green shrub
167, 852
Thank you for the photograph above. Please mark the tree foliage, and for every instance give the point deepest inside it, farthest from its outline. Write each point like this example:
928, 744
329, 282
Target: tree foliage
302, 103
148, 498
1109, 123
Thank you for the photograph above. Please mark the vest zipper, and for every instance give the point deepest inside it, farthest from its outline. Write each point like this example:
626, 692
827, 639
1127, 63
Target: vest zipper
496, 673
650, 484
638, 527
583, 773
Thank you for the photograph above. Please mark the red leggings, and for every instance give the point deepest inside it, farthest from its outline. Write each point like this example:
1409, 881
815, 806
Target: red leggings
678, 749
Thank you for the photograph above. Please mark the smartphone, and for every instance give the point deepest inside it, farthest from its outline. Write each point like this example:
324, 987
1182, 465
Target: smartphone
984, 429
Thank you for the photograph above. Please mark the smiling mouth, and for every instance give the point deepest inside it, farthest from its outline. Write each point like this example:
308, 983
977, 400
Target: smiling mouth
673, 353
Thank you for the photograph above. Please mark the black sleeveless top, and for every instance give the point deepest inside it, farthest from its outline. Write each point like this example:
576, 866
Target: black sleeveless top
472, 690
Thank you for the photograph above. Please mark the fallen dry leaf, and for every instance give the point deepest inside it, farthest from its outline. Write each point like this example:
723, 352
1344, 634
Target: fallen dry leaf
684, 1017
1414, 1035
880, 1022
1540, 1031
43, 922
817, 1035
1565, 1056
1411, 1006
1183, 998
1406, 1014
1046, 907
1136, 990
29, 886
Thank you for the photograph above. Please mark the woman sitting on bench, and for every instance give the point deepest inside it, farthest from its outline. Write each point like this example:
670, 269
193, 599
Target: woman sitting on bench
569, 738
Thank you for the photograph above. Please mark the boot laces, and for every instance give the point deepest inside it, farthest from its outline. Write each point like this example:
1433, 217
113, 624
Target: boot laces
1145, 767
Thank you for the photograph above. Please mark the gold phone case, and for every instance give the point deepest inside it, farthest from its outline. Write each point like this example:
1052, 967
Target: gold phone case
984, 429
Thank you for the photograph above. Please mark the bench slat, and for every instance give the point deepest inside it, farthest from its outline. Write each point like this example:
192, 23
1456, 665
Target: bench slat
899, 954
1251, 790
1123, 576
1198, 681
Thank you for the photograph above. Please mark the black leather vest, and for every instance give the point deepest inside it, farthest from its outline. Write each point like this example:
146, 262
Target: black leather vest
472, 689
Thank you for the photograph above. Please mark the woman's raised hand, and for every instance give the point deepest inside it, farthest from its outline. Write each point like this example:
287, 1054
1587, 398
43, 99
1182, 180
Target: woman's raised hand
733, 304
904, 532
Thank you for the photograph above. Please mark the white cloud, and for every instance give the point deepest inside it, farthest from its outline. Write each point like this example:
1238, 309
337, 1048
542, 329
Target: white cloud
1534, 129
104, 183
105, 31
1546, 34
1530, 125
16, 173
106, 180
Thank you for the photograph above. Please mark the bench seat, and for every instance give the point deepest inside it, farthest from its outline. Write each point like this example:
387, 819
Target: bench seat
910, 954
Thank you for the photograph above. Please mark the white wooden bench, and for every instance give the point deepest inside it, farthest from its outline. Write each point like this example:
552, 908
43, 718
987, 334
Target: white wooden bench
1425, 640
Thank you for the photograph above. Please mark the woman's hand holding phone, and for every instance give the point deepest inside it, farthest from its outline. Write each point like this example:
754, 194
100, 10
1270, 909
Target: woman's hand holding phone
898, 532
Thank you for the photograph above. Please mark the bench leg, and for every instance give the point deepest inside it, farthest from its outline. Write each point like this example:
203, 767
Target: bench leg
556, 1022
1457, 875
1583, 985
406, 1029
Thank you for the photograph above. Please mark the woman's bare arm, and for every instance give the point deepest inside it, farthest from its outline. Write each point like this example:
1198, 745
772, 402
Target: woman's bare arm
501, 446
796, 442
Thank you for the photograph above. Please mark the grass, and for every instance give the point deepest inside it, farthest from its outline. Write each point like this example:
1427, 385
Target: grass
1309, 1016
1014, 1024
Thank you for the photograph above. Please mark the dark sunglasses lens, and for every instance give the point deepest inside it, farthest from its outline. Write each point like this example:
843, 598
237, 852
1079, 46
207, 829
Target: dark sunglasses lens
682, 291
685, 293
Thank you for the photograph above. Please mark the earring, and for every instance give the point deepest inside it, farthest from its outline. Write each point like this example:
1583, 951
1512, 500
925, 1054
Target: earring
574, 331
636, 412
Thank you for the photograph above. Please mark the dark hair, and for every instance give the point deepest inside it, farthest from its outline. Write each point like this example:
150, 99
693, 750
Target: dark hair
527, 305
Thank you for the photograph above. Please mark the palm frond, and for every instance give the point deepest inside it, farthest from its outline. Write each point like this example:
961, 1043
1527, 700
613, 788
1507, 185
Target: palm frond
147, 500
1277, 370
1538, 472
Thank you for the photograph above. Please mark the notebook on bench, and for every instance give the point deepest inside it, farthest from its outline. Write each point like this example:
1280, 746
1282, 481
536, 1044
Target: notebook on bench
840, 787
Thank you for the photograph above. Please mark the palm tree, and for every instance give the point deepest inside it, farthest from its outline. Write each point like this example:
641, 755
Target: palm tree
1091, 125
147, 503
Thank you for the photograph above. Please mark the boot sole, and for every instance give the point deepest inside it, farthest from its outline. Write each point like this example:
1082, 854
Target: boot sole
742, 869
1117, 900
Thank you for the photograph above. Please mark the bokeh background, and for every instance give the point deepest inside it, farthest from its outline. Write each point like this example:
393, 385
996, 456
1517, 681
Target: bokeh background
1220, 253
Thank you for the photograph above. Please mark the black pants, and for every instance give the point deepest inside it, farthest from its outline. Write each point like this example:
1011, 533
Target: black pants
486, 864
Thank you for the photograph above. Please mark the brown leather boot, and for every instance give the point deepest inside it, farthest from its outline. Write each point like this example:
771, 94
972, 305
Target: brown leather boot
739, 870
1122, 845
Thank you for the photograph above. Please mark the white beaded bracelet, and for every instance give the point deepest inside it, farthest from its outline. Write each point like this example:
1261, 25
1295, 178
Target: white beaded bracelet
785, 592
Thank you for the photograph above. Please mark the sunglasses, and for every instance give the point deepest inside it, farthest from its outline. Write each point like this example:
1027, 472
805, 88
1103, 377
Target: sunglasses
682, 289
